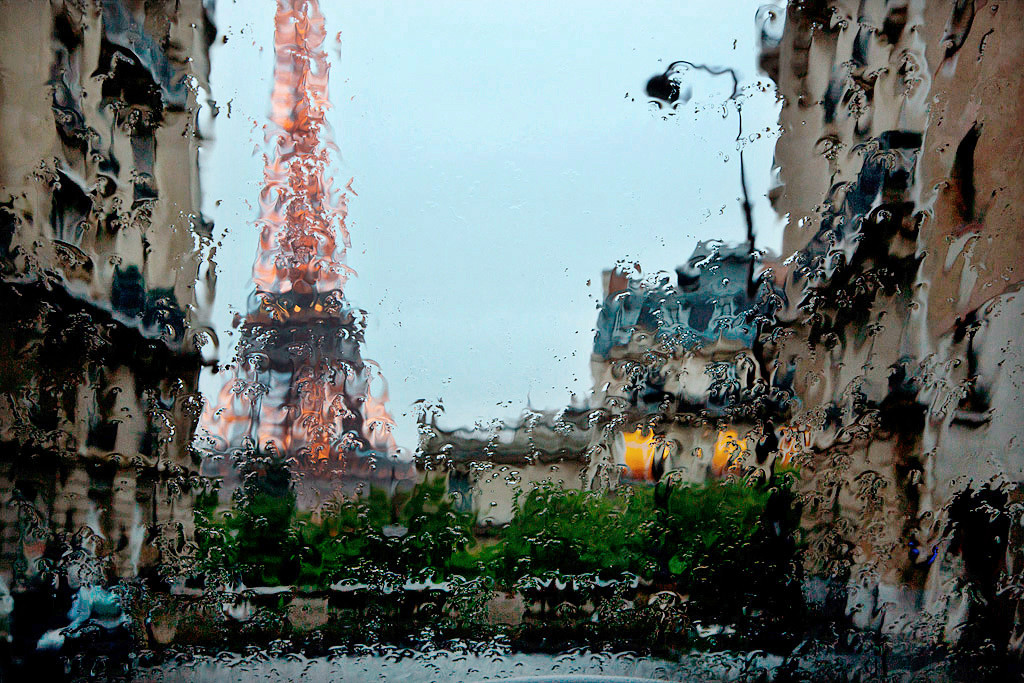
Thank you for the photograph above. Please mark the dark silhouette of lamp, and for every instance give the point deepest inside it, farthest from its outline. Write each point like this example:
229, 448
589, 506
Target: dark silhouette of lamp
667, 87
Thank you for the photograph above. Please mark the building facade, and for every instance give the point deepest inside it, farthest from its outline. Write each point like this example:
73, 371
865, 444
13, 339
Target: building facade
899, 159
681, 383
488, 468
101, 241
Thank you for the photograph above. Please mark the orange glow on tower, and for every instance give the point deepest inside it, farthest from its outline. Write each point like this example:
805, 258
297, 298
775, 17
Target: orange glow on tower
301, 386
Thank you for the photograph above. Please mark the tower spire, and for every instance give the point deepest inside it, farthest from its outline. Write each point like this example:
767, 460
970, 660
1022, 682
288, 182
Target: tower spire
301, 387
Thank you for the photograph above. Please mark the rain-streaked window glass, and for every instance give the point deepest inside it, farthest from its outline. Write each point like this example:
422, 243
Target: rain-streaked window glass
478, 341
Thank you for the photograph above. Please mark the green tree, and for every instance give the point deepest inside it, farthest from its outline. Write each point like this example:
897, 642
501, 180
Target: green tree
266, 543
729, 545
575, 532
398, 535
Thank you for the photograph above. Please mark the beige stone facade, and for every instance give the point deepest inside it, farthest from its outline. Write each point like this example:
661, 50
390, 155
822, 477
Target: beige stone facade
487, 469
101, 243
678, 384
900, 157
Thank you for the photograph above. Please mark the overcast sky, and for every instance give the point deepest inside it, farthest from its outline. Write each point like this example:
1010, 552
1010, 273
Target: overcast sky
504, 154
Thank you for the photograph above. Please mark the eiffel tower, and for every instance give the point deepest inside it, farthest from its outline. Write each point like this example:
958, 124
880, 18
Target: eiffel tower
301, 390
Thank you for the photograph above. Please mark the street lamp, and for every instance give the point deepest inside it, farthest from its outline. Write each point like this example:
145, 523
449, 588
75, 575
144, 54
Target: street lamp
666, 87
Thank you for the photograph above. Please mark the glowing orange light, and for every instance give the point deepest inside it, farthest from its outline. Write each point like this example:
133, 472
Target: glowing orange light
728, 449
641, 449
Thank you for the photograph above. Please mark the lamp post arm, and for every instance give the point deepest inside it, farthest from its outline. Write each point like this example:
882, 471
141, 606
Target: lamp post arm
748, 216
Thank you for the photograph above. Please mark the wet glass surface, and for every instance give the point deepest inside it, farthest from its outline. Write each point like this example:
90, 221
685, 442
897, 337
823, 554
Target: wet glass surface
481, 341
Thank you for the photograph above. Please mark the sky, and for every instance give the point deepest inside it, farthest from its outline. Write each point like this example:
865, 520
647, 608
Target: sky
503, 155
